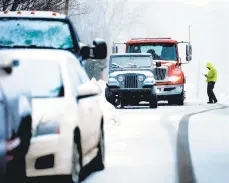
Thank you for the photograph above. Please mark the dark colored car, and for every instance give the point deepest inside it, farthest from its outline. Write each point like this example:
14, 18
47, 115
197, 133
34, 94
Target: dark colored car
15, 124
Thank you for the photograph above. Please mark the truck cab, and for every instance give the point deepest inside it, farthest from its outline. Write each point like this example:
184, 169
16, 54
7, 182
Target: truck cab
170, 78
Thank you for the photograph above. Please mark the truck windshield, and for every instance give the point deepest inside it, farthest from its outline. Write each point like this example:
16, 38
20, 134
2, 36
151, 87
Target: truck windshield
20, 33
131, 61
159, 51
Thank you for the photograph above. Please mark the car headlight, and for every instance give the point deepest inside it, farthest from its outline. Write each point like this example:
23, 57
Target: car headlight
120, 78
140, 78
174, 78
47, 129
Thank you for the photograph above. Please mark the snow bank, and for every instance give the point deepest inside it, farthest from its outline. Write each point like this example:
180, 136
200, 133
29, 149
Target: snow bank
109, 111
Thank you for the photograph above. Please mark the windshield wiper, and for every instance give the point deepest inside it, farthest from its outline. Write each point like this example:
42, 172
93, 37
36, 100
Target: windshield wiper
133, 65
116, 65
144, 66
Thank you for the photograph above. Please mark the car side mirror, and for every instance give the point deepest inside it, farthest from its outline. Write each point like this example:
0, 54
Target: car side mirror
87, 90
188, 52
158, 64
99, 49
7, 67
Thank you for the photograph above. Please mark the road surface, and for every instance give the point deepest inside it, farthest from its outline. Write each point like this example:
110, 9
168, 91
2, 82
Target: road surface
171, 144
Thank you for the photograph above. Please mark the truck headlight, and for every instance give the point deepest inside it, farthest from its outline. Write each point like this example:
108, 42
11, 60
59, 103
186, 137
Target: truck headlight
120, 78
140, 78
47, 129
174, 78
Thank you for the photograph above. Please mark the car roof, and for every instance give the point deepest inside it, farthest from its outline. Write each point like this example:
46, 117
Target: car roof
131, 54
52, 55
32, 14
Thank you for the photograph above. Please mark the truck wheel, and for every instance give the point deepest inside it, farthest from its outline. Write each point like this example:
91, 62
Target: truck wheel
153, 102
180, 101
109, 96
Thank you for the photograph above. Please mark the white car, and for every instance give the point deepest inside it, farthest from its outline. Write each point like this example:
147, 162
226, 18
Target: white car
67, 120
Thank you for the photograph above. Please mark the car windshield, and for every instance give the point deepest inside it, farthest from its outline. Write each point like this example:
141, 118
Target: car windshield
131, 61
35, 33
43, 78
159, 51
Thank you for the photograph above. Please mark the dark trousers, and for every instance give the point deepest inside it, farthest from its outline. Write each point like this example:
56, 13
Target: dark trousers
211, 95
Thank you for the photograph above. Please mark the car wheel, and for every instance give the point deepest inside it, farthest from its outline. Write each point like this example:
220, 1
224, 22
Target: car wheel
76, 157
100, 158
75, 164
153, 102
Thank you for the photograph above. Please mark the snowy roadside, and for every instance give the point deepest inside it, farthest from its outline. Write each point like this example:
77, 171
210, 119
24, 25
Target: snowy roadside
109, 111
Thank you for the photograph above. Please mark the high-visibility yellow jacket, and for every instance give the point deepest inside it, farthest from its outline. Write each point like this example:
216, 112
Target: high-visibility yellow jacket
212, 73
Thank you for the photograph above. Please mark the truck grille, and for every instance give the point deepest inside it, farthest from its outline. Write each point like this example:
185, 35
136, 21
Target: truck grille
131, 81
160, 73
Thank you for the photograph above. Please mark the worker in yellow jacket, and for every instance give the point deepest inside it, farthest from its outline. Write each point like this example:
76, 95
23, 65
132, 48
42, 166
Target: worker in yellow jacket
211, 80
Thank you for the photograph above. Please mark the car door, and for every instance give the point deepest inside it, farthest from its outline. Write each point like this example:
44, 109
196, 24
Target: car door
85, 110
95, 110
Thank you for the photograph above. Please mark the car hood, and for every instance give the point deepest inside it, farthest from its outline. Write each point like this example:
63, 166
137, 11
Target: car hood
147, 72
46, 110
35, 54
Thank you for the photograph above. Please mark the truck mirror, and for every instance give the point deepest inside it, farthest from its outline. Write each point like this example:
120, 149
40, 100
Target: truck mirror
188, 58
100, 49
115, 49
188, 50
85, 52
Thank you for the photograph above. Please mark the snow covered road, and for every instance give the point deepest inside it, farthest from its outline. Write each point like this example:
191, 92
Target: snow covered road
170, 144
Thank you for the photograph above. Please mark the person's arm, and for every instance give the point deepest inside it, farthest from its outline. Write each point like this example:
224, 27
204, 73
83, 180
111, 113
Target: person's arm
211, 74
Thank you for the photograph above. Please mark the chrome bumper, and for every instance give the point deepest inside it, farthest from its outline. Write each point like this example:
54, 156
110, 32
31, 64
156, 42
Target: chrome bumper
165, 90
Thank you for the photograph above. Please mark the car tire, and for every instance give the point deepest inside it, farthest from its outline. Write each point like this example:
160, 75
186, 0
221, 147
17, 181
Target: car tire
100, 158
76, 157
153, 102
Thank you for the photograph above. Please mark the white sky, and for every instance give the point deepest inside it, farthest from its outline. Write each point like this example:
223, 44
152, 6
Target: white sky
209, 22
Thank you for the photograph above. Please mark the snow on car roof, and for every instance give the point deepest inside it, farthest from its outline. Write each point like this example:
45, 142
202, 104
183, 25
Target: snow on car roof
31, 14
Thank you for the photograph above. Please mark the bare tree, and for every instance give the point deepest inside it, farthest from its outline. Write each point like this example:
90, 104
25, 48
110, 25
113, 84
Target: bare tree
43, 5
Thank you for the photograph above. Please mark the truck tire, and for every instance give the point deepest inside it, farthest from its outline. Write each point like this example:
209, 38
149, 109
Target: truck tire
109, 96
180, 99
153, 102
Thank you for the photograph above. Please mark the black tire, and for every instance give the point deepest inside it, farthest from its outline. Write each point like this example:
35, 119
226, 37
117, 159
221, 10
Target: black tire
180, 101
16, 169
100, 158
153, 102
109, 96
76, 158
